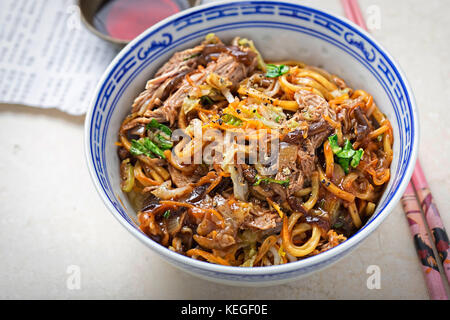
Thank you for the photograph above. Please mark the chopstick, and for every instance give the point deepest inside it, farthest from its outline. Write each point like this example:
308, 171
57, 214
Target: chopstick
348, 10
353, 12
418, 226
423, 245
433, 218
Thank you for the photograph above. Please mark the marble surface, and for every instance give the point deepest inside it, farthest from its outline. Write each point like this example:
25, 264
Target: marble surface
51, 217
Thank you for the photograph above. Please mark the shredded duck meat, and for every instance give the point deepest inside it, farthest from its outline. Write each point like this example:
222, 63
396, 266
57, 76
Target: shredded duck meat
231, 160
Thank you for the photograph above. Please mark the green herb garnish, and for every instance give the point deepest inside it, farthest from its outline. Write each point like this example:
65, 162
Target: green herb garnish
337, 225
162, 142
146, 147
159, 139
346, 156
137, 148
193, 56
166, 214
156, 125
347, 152
334, 143
150, 145
356, 158
231, 120
266, 179
206, 101
274, 71
343, 162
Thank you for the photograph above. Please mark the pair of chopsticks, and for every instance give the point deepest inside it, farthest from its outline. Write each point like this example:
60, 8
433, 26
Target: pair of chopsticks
417, 206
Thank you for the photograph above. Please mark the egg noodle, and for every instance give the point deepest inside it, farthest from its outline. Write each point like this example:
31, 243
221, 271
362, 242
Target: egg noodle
237, 161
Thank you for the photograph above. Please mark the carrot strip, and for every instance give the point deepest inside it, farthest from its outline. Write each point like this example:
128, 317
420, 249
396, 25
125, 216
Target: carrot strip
214, 184
275, 206
142, 178
329, 159
378, 131
190, 206
285, 104
208, 256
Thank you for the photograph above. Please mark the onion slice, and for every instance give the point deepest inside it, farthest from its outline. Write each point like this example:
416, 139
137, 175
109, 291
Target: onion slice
163, 192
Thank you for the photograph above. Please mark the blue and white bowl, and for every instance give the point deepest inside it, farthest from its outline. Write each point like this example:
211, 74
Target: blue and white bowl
281, 30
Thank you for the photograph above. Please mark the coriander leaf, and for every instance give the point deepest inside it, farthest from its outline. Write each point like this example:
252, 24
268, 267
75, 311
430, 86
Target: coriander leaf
283, 69
348, 145
274, 71
356, 158
161, 138
145, 147
344, 163
166, 214
152, 147
346, 153
137, 148
346, 156
156, 125
162, 142
333, 140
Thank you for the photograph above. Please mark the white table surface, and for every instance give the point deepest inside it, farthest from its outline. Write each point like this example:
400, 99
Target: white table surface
51, 217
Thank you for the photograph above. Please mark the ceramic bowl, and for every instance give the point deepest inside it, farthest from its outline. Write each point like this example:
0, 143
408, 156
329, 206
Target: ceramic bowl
280, 30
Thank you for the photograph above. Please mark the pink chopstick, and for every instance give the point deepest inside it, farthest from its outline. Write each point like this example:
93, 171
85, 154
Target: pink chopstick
359, 19
412, 210
348, 10
423, 245
433, 218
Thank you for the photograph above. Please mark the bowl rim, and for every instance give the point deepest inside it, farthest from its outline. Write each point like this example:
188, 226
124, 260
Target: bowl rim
335, 252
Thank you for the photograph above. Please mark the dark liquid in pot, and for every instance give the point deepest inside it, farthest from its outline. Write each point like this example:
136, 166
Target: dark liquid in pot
126, 19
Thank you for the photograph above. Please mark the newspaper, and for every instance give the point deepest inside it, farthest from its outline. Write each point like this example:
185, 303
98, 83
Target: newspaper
48, 58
